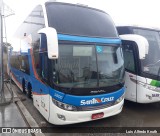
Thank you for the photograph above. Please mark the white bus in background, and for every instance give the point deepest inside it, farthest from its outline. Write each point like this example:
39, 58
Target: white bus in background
141, 49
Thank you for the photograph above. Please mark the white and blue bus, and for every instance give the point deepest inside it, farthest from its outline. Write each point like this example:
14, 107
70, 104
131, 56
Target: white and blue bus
70, 63
141, 50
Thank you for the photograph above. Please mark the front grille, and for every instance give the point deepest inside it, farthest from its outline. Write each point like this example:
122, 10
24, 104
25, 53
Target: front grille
91, 108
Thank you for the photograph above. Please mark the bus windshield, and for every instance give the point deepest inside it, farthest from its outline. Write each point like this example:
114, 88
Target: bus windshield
85, 66
78, 20
151, 63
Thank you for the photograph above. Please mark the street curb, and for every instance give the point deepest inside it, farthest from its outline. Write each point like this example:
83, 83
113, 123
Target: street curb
26, 115
32, 123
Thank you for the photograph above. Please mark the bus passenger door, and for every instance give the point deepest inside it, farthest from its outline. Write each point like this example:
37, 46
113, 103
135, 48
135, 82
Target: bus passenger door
44, 74
42, 85
129, 51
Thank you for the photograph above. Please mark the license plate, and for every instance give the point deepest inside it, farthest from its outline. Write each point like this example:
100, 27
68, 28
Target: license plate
97, 115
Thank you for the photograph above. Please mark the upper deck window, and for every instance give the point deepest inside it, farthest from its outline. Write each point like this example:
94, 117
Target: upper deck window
79, 20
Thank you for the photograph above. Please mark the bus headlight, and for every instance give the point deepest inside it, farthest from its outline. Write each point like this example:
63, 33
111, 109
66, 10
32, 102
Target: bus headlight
64, 106
119, 99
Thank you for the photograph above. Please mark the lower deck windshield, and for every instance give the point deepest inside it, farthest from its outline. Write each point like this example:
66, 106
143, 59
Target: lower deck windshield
85, 66
151, 63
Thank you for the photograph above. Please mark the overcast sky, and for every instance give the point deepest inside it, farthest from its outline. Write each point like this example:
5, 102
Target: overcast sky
137, 12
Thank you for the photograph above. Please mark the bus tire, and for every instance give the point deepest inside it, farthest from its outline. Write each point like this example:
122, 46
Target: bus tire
23, 87
29, 92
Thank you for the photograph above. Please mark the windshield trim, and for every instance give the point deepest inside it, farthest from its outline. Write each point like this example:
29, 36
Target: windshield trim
74, 38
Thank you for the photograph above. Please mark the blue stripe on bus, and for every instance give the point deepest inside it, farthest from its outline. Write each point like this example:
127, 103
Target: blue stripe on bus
89, 100
88, 39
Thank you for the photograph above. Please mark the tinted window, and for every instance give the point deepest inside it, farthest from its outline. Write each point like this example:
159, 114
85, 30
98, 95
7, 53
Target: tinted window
151, 63
41, 57
24, 64
88, 66
44, 59
128, 53
21, 63
77, 20
36, 56
15, 62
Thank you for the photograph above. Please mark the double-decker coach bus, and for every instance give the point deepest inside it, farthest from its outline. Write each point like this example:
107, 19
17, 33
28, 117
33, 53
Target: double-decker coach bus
70, 63
141, 48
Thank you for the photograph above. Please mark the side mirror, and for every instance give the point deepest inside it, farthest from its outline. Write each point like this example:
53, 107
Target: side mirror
52, 41
141, 42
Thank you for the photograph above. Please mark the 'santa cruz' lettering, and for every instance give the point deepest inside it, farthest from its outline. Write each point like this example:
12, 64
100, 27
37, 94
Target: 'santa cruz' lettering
96, 100
58, 96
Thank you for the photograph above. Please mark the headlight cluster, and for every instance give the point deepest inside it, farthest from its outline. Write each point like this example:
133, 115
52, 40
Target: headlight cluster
119, 99
64, 106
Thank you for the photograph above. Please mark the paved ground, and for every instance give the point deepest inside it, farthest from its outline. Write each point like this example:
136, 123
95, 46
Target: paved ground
133, 115
10, 116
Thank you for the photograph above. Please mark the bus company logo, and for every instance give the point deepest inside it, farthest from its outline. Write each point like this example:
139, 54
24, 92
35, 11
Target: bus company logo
98, 91
96, 100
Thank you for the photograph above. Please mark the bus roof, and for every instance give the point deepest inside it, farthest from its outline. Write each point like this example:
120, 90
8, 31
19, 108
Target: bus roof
139, 26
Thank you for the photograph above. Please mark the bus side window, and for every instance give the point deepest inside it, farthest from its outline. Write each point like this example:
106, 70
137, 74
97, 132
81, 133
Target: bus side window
129, 58
36, 53
15, 63
43, 43
40, 55
25, 64
43, 57
45, 66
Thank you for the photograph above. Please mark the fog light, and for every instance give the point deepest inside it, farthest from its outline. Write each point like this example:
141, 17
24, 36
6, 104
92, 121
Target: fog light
62, 117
